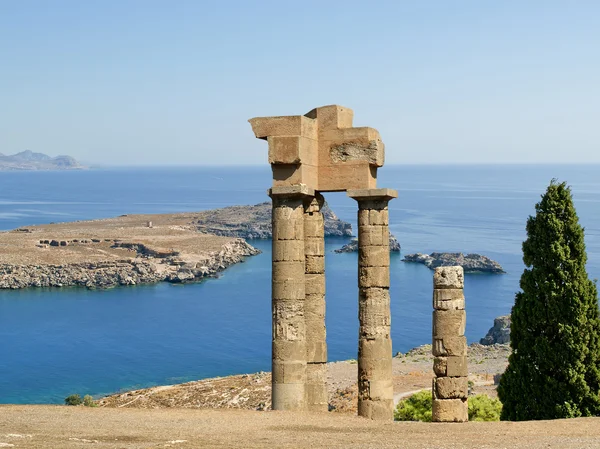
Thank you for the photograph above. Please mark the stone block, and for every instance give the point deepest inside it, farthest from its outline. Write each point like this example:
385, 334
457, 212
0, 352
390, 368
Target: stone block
288, 290
315, 284
450, 410
374, 236
315, 264
288, 324
293, 372
284, 213
449, 299
455, 346
317, 398
347, 175
440, 366
380, 349
316, 351
288, 229
293, 174
296, 125
374, 322
314, 246
374, 369
449, 323
288, 396
288, 250
351, 145
288, 271
379, 217
289, 351
374, 256
379, 390
448, 277
374, 276
314, 226
457, 366
372, 198
376, 410
450, 387
331, 117
293, 150
315, 305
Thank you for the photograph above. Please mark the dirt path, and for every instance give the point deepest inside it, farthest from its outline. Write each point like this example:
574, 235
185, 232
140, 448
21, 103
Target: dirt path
61, 427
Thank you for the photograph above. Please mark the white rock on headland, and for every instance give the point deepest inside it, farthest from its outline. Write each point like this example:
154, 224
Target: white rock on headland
471, 263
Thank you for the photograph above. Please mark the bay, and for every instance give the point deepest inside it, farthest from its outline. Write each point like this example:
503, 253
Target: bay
55, 342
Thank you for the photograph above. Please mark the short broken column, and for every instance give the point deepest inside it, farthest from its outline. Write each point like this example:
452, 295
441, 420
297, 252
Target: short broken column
314, 307
288, 297
450, 386
375, 386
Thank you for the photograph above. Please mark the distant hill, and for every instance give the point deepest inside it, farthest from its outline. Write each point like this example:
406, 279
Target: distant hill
28, 160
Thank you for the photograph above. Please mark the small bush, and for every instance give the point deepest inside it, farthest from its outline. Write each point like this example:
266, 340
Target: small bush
484, 408
88, 401
74, 399
415, 408
418, 408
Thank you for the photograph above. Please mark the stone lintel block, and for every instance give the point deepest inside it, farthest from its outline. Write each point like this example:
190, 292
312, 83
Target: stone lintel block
298, 190
374, 236
457, 366
440, 366
338, 177
314, 246
289, 396
288, 290
449, 323
455, 346
315, 284
290, 175
289, 372
289, 351
450, 387
293, 150
449, 277
372, 194
380, 390
380, 349
332, 117
315, 264
448, 299
450, 410
314, 226
350, 145
290, 229
374, 369
288, 271
374, 277
288, 250
291, 125
374, 256
376, 410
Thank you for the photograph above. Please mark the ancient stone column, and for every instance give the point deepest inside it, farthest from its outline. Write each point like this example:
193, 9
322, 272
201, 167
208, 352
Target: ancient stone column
314, 306
375, 388
450, 386
288, 298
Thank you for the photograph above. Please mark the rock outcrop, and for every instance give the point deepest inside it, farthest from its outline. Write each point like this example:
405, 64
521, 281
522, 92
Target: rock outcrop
499, 333
28, 160
352, 247
254, 222
471, 263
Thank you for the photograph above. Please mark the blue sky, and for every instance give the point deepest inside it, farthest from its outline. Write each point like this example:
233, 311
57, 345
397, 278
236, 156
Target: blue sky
174, 82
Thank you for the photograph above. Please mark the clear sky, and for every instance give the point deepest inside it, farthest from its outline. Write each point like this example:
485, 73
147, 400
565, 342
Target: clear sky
126, 82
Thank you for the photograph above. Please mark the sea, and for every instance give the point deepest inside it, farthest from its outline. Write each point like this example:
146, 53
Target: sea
57, 342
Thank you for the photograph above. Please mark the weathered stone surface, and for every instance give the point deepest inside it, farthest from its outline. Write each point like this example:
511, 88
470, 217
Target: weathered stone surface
456, 366
374, 256
382, 410
450, 387
449, 323
450, 410
448, 299
440, 366
499, 333
374, 276
448, 277
450, 346
471, 263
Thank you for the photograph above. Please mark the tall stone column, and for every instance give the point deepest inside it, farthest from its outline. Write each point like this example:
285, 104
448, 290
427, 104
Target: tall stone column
314, 306
450, 386
375, 388
288, 298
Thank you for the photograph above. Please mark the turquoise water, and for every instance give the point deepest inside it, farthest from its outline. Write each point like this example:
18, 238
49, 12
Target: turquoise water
63, 341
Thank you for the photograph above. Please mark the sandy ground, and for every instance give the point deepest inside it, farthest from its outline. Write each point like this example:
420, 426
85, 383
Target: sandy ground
79, 427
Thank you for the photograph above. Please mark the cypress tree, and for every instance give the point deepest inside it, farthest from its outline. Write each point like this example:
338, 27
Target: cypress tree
554, 368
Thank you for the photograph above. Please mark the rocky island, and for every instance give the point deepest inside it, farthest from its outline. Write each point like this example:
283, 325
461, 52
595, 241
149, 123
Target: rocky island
352, 247
471, 263
28, 160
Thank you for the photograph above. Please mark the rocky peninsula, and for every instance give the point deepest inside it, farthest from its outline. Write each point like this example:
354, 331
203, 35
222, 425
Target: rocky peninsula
352, 247
471, 263
28, 160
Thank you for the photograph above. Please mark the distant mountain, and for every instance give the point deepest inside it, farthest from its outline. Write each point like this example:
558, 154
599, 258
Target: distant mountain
28, 160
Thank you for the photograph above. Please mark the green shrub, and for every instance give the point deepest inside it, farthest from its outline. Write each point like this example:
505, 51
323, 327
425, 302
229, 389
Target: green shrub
415, 408
418, 408
74, 399
484, 408
88, 401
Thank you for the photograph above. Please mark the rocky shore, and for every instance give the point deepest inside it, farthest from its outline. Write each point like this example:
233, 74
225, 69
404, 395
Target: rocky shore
352, 247
471, 263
